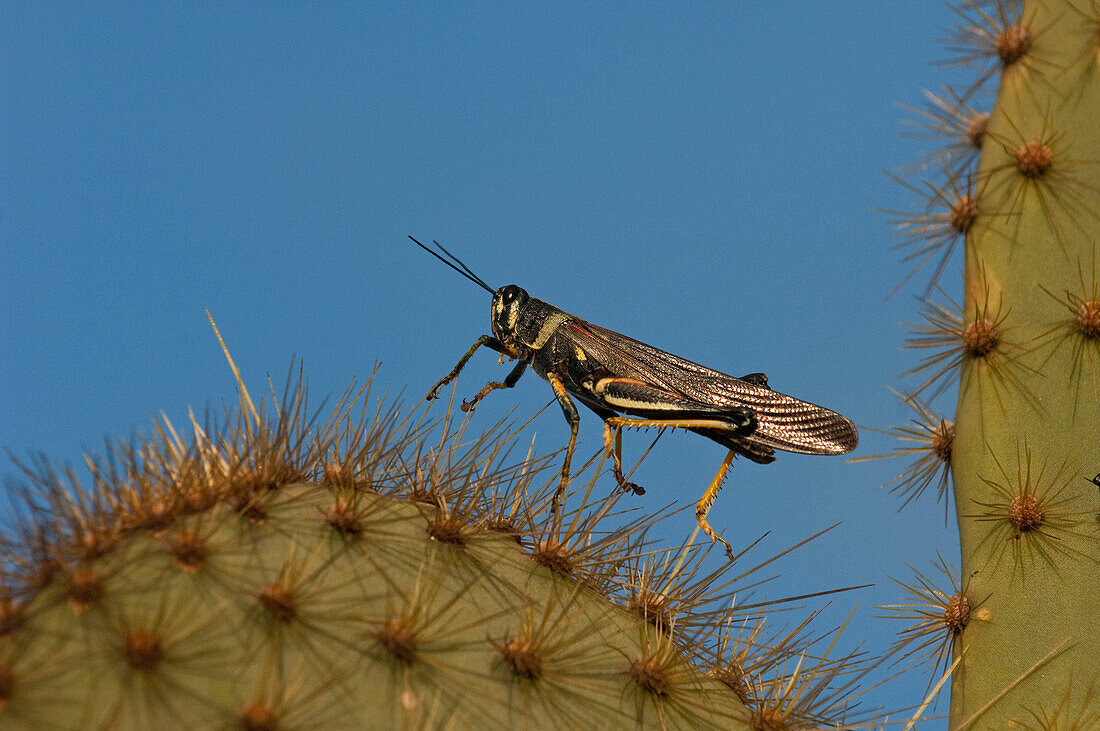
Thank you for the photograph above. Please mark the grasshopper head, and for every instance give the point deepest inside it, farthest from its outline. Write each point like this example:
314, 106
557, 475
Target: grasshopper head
508, 302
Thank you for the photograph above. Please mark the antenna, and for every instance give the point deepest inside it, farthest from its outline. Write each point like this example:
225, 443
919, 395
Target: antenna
464, 270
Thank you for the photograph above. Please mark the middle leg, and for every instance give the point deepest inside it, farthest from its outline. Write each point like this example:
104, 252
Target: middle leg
574, 420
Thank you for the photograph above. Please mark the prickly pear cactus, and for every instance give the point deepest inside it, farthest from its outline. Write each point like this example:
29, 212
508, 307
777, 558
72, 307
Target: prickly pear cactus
1027, 430
318, 607
1022, 617
280, 579
379, 569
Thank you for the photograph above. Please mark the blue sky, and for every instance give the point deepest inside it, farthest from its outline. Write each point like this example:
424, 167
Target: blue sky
703, 177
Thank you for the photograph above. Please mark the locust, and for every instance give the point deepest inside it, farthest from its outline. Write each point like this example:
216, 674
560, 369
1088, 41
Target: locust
630, 384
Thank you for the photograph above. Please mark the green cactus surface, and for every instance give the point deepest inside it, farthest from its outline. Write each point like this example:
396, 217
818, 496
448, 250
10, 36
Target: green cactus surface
1014, 631
1027, 428
313, 608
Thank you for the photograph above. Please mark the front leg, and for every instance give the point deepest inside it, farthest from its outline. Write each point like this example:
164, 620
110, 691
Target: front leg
488, 341
509, 382
574, 420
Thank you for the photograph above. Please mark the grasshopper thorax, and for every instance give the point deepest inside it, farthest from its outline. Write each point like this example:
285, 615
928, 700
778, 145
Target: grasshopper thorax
508, 303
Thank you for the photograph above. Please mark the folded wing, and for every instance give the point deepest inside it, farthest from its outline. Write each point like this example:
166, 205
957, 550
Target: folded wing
782, 422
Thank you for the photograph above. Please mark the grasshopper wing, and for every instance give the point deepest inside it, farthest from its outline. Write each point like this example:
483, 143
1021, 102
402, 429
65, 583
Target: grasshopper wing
782, 422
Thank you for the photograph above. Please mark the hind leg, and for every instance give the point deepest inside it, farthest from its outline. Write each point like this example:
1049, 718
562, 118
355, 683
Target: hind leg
613, 443
702, 508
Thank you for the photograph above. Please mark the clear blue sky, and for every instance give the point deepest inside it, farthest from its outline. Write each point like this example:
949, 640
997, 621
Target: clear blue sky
700, 176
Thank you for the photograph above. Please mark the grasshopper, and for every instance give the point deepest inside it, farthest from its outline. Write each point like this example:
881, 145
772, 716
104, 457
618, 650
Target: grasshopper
629, 384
